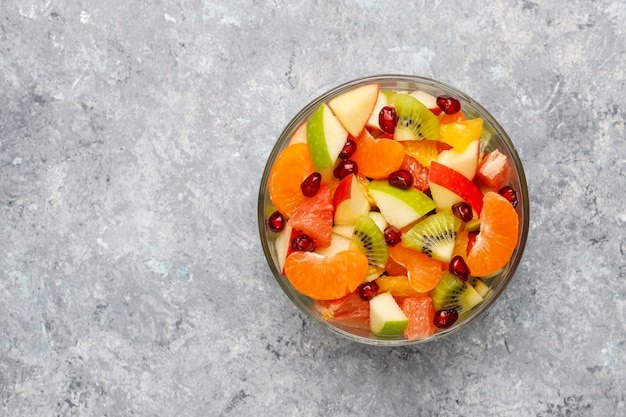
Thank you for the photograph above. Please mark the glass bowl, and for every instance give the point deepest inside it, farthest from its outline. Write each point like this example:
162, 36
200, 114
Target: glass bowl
499, 140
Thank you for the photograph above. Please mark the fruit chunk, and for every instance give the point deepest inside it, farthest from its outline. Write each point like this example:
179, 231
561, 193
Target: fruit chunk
399, 207
415, 121
314, 217
354, 107
417, 170
291, 167
453, 293
386, 316
397, 285
460, 134
493, 170
381, 101
368, 238
325, 137
326, 277
424, 151
421, 315
456, 183
434, 236
377, 158
464, 162
349, 309
423, 271
497, 238
350, 201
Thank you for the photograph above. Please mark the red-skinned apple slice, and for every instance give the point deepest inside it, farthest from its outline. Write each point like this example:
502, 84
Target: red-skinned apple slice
354, 107
350, 201
453, 181
427, 100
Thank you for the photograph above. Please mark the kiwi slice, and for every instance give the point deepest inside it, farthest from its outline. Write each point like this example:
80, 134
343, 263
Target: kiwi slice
452, 292
369, 239
435, 235
415, 121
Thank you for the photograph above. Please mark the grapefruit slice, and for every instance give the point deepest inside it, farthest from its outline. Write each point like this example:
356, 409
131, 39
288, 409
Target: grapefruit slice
314, 217
326, 277
291, 167
421, 314
497, 238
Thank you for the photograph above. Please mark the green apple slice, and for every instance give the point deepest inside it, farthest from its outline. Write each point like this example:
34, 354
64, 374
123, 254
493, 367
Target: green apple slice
325, 136
386, 316
399, 207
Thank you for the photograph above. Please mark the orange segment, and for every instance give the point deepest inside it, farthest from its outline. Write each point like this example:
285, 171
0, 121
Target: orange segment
394, 268
314, 217
460, 245
326, 277
497, 238
460, 134
451, 118
377, 158
423, 150
423, 271
398, 286
421, 314
291, 167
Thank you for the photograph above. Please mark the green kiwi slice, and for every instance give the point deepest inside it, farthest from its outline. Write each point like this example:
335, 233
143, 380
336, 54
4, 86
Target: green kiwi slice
435, 235
369, 239
452, 292
415, 121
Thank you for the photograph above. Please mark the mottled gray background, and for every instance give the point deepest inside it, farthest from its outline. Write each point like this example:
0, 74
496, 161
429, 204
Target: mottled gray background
133, 135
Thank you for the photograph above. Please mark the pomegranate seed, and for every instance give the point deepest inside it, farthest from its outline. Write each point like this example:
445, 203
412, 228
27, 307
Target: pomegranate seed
459, 268
463, 211
345, 168
368, 290
401, 179
387, 119
302, 243
449, 104
446, 318
509, 193
393, 235
276, 222
311, 185
348, 149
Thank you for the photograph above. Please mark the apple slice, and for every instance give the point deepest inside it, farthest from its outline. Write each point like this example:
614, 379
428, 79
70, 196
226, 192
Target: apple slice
299, 136
386, 316
338, 244
282, 242
325, 136
344, 230
350, 201
399, 207
451, 181
427, 100
382, 101
354, 107
379, 219
464, 162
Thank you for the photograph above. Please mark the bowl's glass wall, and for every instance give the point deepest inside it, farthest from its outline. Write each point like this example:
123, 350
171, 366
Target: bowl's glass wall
472, 109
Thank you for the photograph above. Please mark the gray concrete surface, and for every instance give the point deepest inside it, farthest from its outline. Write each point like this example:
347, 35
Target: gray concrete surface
132, 141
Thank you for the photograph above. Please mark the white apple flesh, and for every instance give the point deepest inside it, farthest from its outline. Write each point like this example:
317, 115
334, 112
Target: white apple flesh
325, 137
350, 201
354, 107
386, 316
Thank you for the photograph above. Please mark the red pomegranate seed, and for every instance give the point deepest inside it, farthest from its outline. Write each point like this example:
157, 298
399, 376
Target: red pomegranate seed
368, 290
302, 243
463, 211
459, 268
345, 168
387, 119
449, 104
348, 149
276, 222
446, 318
509, 193
311, 185
393, 235
401, 179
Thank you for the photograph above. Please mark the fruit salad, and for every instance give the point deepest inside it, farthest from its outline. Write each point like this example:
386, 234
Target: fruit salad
393, 210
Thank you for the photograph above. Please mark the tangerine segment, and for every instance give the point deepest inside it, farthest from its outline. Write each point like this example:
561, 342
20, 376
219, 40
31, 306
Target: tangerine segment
421, 314
326, 277
497, 238
460, 134
424, 151
377, 158
423, 271
291, 167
